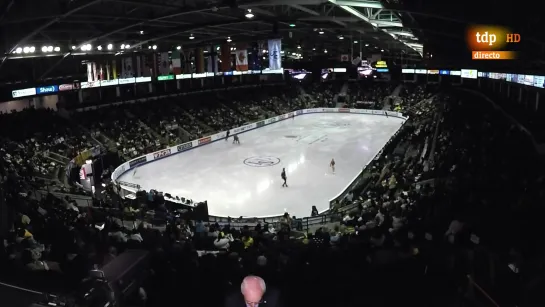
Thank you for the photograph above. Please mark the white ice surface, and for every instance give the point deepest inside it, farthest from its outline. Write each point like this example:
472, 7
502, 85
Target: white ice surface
305, 146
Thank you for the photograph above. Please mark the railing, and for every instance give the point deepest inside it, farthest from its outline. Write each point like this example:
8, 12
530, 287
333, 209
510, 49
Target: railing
477, 294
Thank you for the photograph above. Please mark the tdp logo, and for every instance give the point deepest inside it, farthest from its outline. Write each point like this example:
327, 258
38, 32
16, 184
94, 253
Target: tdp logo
491, 38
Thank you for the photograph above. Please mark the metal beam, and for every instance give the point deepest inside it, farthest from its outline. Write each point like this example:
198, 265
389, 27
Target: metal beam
330, 18
288, 2
50, 69
52, 21
46, 25
370, 4
312, 12
384, 23
202, 9
148, 4
6, 9
188, 29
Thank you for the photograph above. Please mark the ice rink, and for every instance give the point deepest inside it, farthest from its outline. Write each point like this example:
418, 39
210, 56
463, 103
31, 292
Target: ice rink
244, 180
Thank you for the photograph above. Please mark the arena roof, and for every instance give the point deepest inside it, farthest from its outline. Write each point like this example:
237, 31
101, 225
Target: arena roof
315, 25
395, 28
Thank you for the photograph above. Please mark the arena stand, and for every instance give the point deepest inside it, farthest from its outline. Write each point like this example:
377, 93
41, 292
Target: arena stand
129, 138
365, 94
397, 218
322, 92
38, 150
411, 94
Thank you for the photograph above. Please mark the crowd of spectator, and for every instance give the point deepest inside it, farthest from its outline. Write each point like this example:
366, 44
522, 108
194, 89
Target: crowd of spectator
457, 188
370, 95
322, 92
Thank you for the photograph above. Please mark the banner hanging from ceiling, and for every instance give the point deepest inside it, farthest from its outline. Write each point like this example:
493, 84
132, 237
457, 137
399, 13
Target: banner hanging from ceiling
242, 58
275, 54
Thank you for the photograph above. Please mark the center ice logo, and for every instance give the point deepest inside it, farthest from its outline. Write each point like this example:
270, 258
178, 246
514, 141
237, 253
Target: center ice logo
261, 161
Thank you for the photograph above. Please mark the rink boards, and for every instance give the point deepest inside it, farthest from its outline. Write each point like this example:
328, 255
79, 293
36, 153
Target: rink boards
129, 188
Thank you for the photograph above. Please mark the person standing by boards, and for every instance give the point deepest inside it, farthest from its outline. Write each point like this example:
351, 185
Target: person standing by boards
227, 134
332, 165
283, 175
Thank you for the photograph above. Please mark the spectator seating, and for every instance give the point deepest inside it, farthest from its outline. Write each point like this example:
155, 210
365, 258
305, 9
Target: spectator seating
426, 215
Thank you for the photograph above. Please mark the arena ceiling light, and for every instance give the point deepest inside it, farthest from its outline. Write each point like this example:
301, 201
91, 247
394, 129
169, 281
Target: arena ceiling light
179, 47
18, 50
366, 45
321, 32
299, 47
127, 46
325, 50
122, 46
110, 46
313, 49
99, 48
154, 47
141, 32
74, 47
86, 47
191, 36
26, 50
341, 37
249, 14
229, 39
381, 50
57, 49
355, 42
50, 48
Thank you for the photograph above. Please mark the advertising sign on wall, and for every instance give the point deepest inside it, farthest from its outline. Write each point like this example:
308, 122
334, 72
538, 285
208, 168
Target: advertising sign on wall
205, 140
47, 89
24, 92
66, 87
161, 154
184, 147
136, 162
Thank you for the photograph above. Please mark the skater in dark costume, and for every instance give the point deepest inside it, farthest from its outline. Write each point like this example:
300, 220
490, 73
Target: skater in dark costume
227, 135
283, 175
235, 139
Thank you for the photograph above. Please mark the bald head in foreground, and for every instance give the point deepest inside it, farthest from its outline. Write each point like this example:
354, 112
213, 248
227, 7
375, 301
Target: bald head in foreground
253, 293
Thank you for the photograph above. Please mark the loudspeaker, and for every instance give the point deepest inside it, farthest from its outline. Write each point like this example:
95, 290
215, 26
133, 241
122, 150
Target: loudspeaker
200, 212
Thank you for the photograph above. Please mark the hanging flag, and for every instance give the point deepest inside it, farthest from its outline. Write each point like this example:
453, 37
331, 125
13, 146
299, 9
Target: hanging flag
209, 59
139, 67
242, 59
108, 71
95, 73
100, 72
213, 59
114, 70
163, 64
89, 72
176, 62
126, 68
199, 60
225, 57
344, 58
254, 63
275, 54
151, 62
